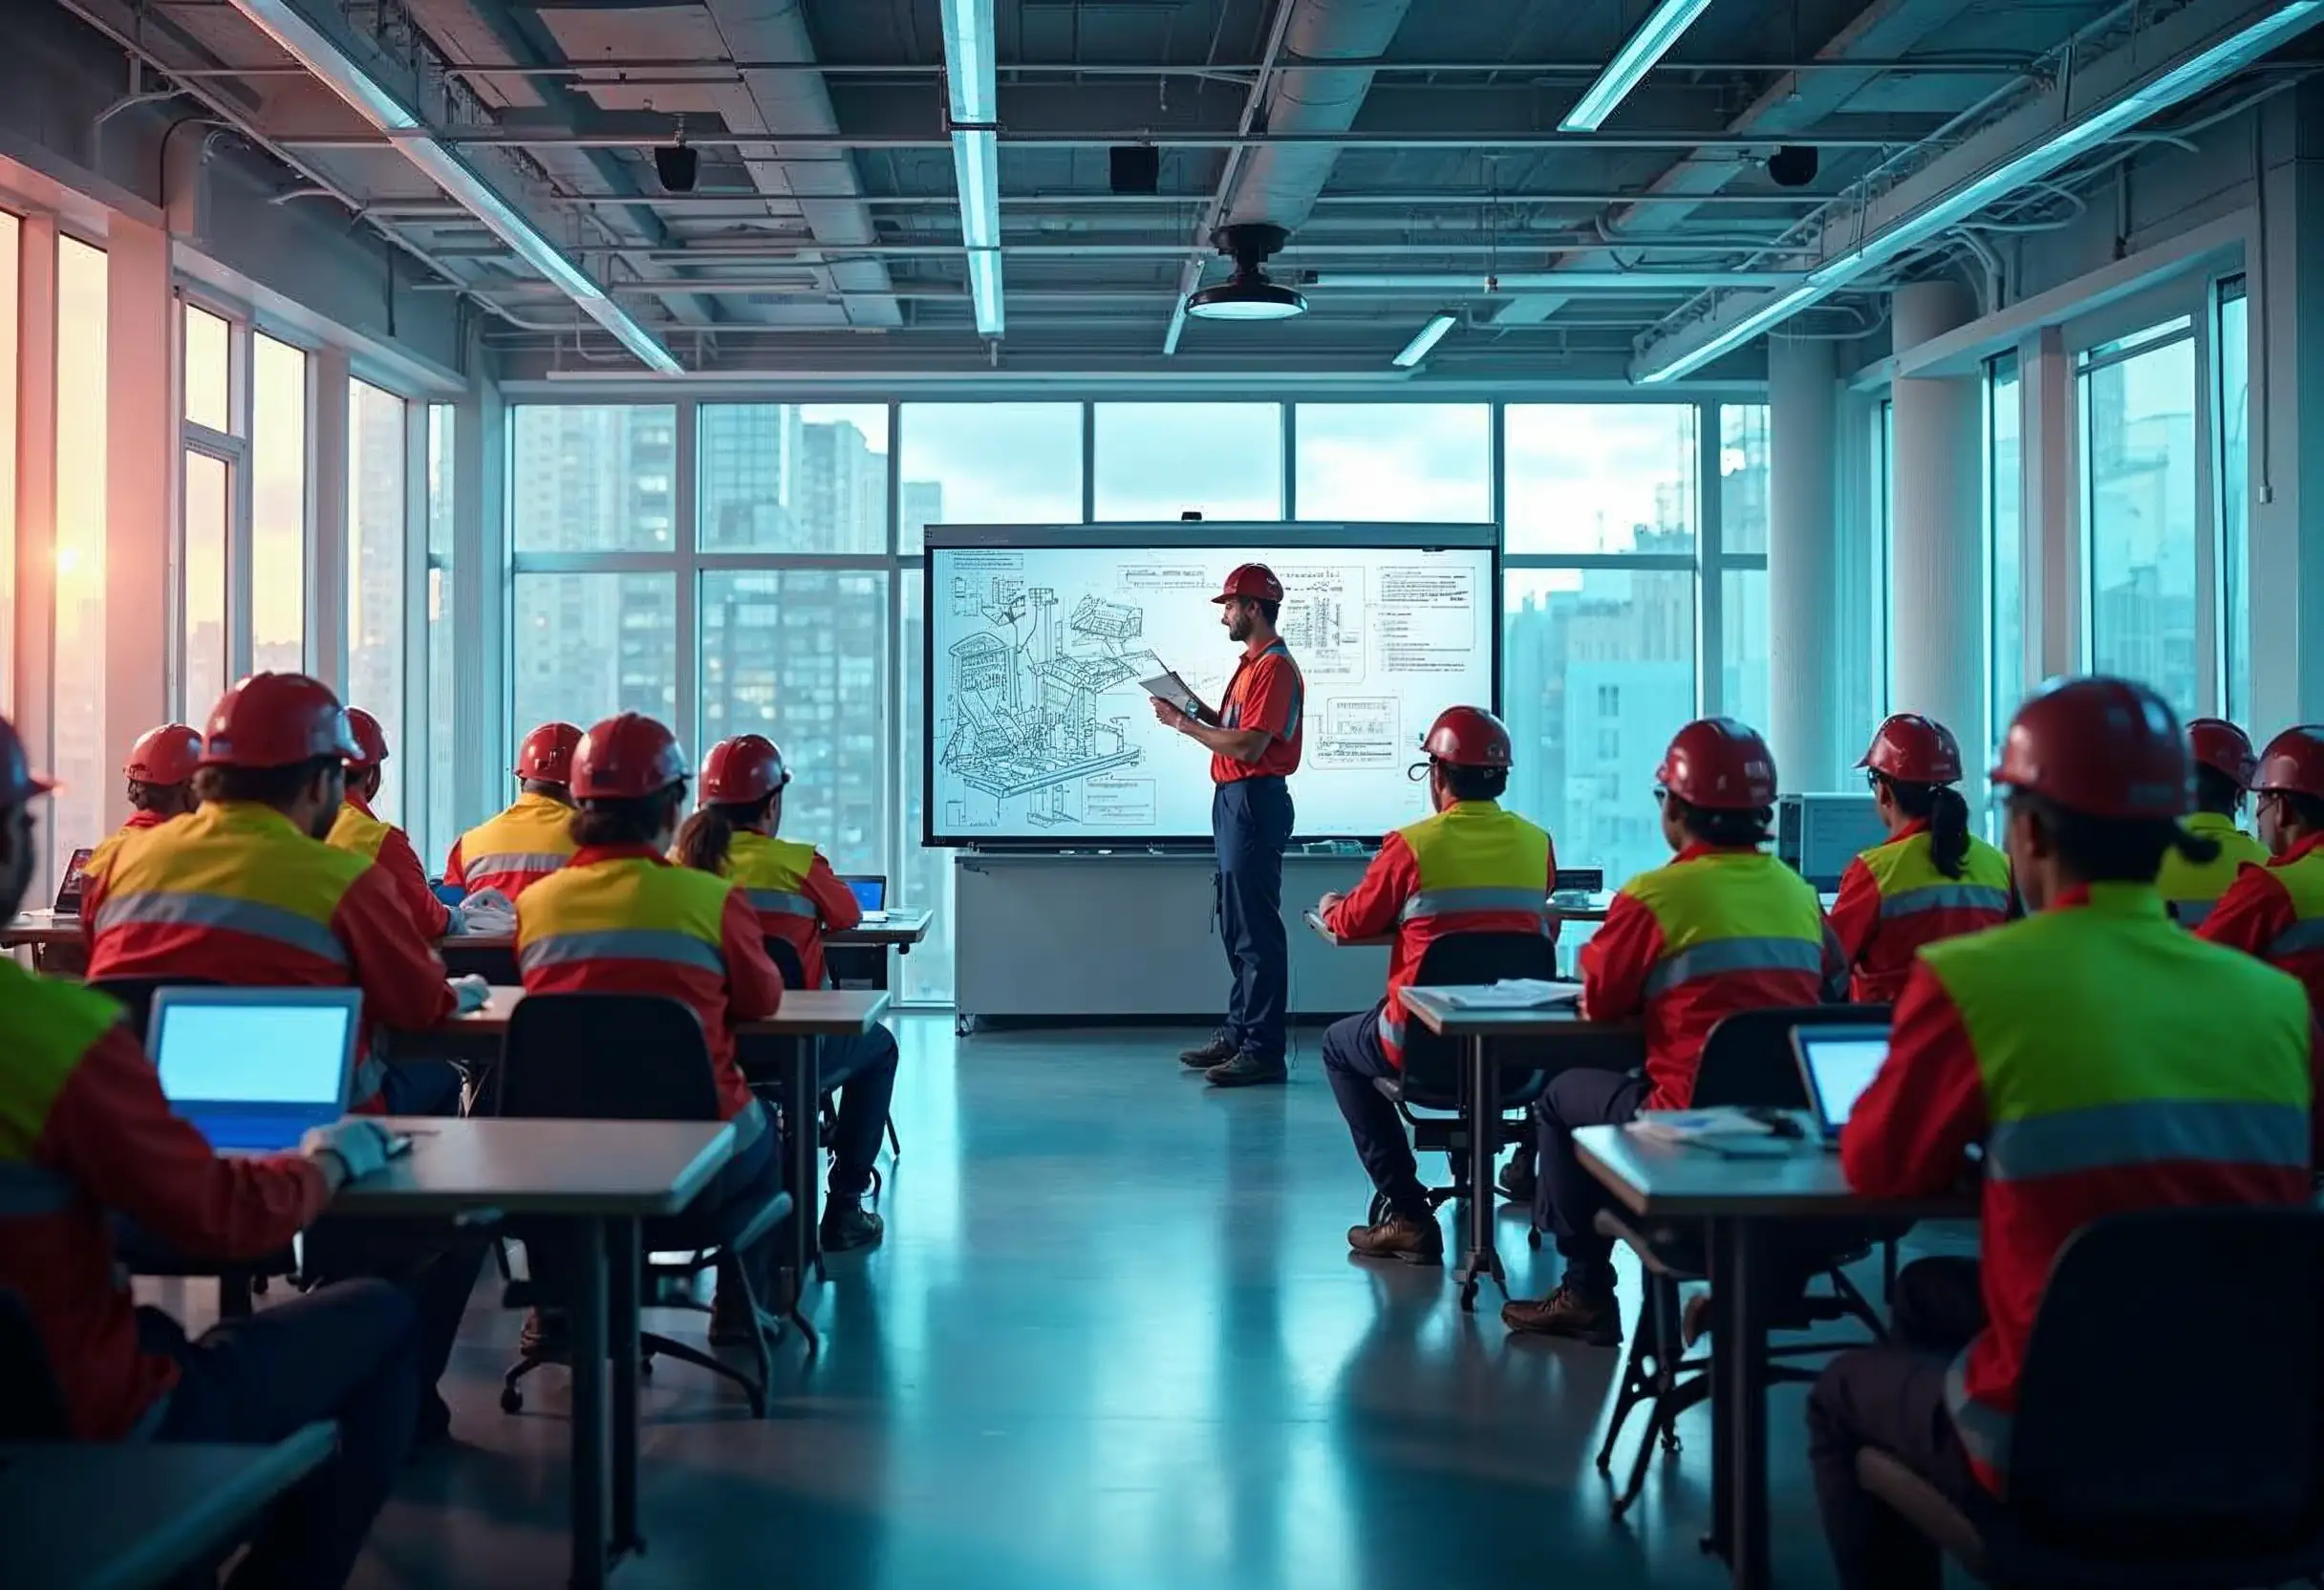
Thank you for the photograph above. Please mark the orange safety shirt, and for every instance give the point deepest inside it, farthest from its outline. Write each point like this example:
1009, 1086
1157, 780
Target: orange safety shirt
85, 1132
619, 919
1267, 693
355, 828
1893, 899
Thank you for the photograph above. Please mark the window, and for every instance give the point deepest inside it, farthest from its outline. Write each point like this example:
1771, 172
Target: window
207, 374
1860, 632
1601, 477
376, 510
84, 765
205, 654
1743, 477
2140, 507
593, 479
989, 464
278, 507
800, 656
1609, 701
11, 243
1743, 661
2232, 339
1418, 463
2005, 638
444, 698
925, 880
1157, 460
587, 646
785, 478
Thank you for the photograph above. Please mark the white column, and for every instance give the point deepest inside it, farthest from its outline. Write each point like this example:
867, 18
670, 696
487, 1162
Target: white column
140, 488
2287, 367
1936, 557
1802, 552
485, 746
326, 479
31, 675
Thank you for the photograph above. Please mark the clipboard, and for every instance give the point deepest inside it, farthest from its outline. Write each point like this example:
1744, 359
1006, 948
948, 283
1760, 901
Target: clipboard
1167, 686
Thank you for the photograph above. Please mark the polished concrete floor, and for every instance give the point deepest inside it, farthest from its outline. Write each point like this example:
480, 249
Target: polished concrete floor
1114, 1339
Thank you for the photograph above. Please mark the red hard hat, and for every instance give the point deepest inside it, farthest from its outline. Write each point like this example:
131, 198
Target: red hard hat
1914, 749
370, 740
545, 755
1253, 580
1719, 764
626, 759
1468, 737
18, 783
164, 756
2292, 763
2220, 745
275, 721
2101, 747
748, 767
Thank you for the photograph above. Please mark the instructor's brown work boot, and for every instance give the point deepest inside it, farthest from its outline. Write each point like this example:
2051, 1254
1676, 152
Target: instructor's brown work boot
1399, 1237
1216, 1050
1567, 1312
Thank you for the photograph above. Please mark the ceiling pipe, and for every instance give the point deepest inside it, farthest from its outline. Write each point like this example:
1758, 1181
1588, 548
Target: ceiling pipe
1312, 143
621, 72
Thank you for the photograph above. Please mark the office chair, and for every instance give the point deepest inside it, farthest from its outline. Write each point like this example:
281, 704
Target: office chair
32, 1404
635, 1057
2199, 1475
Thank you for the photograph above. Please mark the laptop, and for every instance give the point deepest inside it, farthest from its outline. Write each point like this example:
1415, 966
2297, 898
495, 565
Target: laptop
1837, 1063
871, 895
251, 1069
68, 892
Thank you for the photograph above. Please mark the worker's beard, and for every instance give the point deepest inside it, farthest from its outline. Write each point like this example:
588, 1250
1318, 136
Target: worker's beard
1239, 625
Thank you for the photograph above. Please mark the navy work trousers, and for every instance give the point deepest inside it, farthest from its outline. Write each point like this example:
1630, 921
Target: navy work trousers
1566, 1197
862, 1067
1251, 824
1353, 1061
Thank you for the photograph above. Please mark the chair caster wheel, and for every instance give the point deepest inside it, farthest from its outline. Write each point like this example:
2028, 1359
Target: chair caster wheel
1467, 1297
1532, 1240
645, 1368
1606, 1464
512, 1401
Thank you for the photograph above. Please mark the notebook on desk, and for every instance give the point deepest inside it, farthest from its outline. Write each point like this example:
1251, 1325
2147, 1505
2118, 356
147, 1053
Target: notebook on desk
870, 893
253, 1070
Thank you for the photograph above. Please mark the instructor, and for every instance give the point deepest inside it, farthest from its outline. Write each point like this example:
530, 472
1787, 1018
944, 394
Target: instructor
1253, 740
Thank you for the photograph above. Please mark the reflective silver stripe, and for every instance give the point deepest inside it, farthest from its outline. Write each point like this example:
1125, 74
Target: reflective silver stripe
679, 949
178, 909
1446, 902
2190, 913
1391, 1030
2298, 938
1946, 896
780, 902
28, 1190
2153, 1131
1737, 954
1984, 1429
513, 861
371, 1075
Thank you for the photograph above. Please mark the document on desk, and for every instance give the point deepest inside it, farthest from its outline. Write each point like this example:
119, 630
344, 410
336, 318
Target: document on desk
1516, 994
1167, 686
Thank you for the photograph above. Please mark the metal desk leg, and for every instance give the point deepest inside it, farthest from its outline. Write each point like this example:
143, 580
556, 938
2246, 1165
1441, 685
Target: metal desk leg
590, 1561
805, 1178
1482, 1258
624, 1257
1739, 1338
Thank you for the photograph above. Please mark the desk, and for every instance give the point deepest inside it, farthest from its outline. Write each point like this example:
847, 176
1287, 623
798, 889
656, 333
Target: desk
605, 1177
39, 929
1579, 1042
132, 1514
805, 1013
859, 955
1736, 1199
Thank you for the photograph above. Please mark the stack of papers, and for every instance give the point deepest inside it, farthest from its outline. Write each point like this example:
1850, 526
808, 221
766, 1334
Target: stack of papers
1728, 1132
1514, 994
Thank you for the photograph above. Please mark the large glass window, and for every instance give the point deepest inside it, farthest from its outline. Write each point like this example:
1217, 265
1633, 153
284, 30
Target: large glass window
278, 507
793, 478
1419, 462
85, 765
925, 881
989, 464
1160, 460
376, 510
595, 479
1743, 477
205, 653
11, 243
1743, 661
1600, 478
2139, 511
800, 656
588, 646
208, 365
444, 698
2005, 640
2232, 338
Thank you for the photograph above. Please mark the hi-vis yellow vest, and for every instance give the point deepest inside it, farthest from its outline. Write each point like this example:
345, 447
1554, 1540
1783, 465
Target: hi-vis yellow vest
511, 851
357, 831
2192, 888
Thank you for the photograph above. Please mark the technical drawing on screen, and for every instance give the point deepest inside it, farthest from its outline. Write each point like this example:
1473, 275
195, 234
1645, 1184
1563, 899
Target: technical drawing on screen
1040, 731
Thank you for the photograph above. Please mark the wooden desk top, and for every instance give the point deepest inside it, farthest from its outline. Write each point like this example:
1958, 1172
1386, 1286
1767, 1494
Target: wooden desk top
805, 1013
1447, 1020
131, 1514
40, 928
1684, 1182
609, 1167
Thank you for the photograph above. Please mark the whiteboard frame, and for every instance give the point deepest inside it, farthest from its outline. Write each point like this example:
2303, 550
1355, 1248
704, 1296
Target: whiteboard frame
1174, 535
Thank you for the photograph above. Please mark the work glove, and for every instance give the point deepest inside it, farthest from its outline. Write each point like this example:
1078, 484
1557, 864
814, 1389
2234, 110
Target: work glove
357, 1142
471, 991
487, 911
455, 922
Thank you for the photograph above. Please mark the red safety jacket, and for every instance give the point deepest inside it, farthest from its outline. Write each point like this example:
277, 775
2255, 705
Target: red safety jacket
235, 895
1687, 945
2276, 913
797, 896
84, 1131
2109, 1062
1267, 693
355, 828
1471, 868
512, 851
139, 822
619, 919
1893, 900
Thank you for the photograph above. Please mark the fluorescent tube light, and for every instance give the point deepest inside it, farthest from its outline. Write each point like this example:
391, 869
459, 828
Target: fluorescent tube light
970, 72
1736, 335
976, 164
984, 288
1653, 40
1425, 339
969, 59
371, 100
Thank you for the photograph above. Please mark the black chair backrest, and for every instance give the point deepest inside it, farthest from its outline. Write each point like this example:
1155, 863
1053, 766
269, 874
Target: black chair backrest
2142, 1428
604, 1056
32, 1407
1465, 959
1748, 1059
494, 965
785, 957
135, 996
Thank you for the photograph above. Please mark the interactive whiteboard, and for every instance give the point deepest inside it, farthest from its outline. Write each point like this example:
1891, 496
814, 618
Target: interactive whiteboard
1039, 732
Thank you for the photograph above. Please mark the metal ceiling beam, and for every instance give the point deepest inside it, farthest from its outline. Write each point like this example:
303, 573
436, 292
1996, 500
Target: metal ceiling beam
1433, 199
1967, 65
814, 254
1161, 139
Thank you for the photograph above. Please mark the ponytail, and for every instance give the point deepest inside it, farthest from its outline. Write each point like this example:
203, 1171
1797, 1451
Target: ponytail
1941, 807
704, 839
2197, 848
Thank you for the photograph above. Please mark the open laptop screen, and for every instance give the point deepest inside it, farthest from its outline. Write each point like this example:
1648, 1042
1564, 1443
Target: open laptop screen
69, 891
1838, 1064
870, 893
254, 1069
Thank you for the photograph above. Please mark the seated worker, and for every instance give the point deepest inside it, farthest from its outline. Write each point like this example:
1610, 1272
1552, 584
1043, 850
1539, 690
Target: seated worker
1471, 867
619, 919
1725, 927
2223, 764
85, 1134
533, 837
160, 771
356, 830
798, 898
2275, 911
1933, 878
2106, 1061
